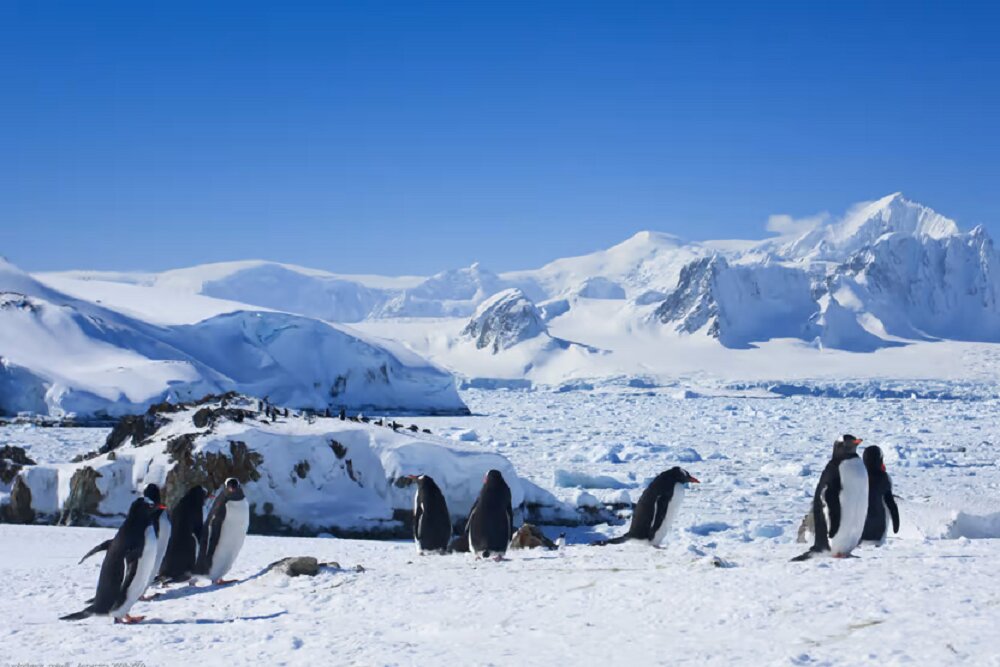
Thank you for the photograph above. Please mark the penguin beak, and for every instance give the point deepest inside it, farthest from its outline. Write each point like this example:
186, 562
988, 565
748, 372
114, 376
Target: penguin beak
161, 507
883, 467
694, 480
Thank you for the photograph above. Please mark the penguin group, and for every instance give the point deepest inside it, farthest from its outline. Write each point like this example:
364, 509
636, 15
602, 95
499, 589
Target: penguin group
154, 545
853, 502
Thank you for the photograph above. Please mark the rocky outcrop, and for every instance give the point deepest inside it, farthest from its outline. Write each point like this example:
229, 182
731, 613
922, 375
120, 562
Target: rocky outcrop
84, 498
19, 509
303, 475
504, 320
12, 459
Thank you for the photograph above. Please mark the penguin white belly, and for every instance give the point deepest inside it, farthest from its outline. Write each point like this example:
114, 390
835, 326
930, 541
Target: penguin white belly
161, 544
416, 532
143, 573
234, 531
660, 536
853, 506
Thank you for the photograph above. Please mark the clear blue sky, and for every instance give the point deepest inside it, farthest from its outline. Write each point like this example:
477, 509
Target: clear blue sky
411, 137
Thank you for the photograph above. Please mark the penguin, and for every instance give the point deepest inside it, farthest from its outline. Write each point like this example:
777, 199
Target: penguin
187, 521
224, 532
491, 520
657, 508
162, 528
125, 573
840, 504
880, 500
431, 521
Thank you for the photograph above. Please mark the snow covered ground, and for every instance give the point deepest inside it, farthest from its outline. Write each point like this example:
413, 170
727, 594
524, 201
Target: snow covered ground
929, 597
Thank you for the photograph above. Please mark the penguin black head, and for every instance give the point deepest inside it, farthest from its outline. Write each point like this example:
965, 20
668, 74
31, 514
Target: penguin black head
872, 456
152, 491
846, 446
141, 511
233, 489
679, 475
493, 478
199, 494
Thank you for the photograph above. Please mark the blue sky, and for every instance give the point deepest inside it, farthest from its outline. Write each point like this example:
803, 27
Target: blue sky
411, 137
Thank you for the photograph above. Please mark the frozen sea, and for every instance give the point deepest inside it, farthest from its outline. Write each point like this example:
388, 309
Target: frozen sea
722, 592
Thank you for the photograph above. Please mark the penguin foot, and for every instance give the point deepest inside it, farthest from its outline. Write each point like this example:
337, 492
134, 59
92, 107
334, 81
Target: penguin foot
129, 620
224, 582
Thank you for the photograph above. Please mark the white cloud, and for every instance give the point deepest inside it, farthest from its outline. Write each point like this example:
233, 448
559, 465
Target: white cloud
785, 225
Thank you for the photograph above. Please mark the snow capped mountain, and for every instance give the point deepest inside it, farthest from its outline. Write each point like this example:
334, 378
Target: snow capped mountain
889, 273
504, 320
889, 270
454, 293
864, 224
739, 304
66, 355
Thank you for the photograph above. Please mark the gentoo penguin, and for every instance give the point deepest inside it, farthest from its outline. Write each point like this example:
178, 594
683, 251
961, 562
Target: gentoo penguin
431, 521
162, 528
491, 521
187, 519
657, 508
224, 532
127, 567
880, 500
840, 503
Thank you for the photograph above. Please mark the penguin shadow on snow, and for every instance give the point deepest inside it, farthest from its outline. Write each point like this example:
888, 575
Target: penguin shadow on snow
215, 621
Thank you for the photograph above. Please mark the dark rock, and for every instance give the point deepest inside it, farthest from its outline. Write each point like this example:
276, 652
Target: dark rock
12, 459
19, 509
210, 416
295, 566
84, 498
209, 469
302, 469
136, 427
338, 449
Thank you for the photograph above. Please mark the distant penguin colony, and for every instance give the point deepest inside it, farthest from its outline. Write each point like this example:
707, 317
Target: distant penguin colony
840, 504
657, 508
224, 532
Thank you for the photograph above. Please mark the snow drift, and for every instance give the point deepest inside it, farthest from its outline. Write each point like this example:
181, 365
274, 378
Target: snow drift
302, 474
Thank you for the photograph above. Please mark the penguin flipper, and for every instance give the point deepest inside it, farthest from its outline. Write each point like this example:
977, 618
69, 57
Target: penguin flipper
890, 502
103, 546
831, 500
78, 616
132, 564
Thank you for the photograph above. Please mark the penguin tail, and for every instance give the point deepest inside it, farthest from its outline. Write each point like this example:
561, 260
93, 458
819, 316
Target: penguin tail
614, 540
803, 557
103, 546
78, 616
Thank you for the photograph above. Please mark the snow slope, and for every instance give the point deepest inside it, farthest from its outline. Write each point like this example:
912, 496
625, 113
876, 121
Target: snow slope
60, 354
